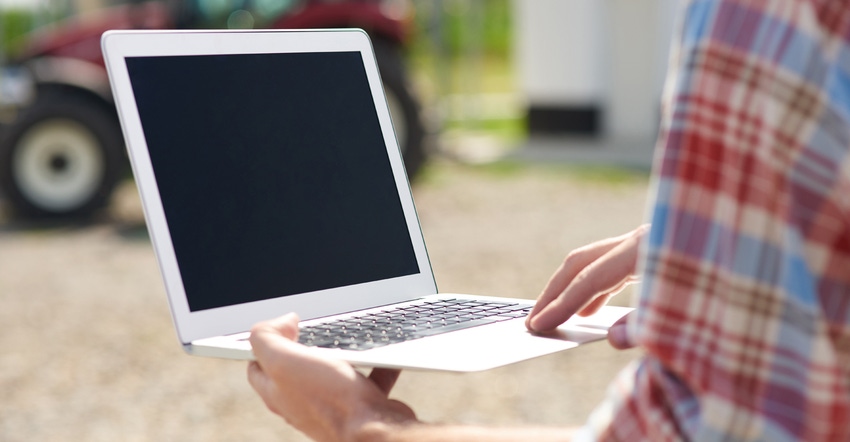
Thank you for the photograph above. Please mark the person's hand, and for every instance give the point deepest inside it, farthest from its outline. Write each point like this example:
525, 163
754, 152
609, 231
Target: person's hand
586, 280
325, 399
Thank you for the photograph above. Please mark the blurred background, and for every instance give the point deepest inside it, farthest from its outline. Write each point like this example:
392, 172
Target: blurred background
527, 129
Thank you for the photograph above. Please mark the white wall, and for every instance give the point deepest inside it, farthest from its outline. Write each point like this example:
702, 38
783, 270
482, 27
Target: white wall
611, 53
551, 36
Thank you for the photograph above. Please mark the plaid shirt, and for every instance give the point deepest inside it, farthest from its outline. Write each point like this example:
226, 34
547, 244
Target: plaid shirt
744, 310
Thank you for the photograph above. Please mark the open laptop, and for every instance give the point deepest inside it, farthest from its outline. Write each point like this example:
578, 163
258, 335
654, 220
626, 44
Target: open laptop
272, 182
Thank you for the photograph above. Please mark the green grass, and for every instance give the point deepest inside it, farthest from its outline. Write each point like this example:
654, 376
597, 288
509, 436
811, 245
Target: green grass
470, 58
589, 174
438, 171
14, 23
509, 130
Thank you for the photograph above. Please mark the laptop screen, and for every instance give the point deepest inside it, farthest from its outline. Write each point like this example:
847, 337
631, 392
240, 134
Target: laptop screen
273, 174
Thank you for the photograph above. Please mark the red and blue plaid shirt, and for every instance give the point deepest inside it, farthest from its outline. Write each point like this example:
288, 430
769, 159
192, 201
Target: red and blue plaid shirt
744, 309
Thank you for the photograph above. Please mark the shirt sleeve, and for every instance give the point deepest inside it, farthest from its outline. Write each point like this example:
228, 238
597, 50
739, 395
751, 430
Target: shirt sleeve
744, 308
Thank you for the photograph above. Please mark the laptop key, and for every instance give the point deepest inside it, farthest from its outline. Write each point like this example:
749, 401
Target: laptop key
453, 327
317, 341
408, 323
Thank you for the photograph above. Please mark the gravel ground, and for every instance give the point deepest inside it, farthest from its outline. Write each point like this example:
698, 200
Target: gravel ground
90, 354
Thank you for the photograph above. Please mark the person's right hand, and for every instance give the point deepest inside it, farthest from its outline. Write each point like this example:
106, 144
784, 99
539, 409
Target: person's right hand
326, 399
584, 282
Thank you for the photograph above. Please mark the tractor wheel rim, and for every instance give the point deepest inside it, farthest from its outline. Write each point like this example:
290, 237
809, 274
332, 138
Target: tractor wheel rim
58, 165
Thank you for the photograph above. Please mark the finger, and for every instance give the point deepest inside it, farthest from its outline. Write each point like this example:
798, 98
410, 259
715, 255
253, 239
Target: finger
586, 289
279, 356
598, 278
556, 285
618, 335
384, 378
256, 377
286, 325
603, 299
275, 339
596, 304
567, 271
265, 387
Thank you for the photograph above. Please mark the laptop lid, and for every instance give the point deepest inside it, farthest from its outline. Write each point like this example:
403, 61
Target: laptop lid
269, 173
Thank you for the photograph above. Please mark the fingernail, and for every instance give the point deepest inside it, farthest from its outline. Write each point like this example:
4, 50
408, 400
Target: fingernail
534, 323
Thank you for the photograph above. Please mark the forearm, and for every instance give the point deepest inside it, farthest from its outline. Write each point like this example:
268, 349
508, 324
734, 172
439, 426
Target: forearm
419, 432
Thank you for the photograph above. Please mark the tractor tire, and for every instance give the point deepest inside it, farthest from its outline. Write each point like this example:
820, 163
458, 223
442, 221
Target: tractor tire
404, 109
61, 158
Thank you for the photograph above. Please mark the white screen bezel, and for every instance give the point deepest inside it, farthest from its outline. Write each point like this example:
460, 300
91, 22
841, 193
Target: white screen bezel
118, 45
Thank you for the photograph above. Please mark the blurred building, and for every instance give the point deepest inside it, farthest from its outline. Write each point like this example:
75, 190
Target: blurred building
592, 67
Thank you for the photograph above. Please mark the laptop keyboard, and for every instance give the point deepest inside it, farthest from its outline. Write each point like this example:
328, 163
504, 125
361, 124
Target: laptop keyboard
413, 321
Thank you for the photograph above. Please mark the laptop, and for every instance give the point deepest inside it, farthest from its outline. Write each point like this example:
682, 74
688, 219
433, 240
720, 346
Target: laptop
272, 182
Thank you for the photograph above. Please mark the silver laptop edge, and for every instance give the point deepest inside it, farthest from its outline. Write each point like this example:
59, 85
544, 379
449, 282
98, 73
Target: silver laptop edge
220, 330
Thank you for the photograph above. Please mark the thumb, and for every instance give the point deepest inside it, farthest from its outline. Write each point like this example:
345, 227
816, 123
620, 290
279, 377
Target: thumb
286, 326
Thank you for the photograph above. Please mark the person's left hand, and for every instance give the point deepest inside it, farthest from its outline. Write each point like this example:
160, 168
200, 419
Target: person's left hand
325, 399
586, 280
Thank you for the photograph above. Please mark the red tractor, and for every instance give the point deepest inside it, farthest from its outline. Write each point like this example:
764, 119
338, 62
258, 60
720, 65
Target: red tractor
62, 151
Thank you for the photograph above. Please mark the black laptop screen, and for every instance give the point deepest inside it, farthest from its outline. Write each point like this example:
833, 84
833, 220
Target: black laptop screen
273, 174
